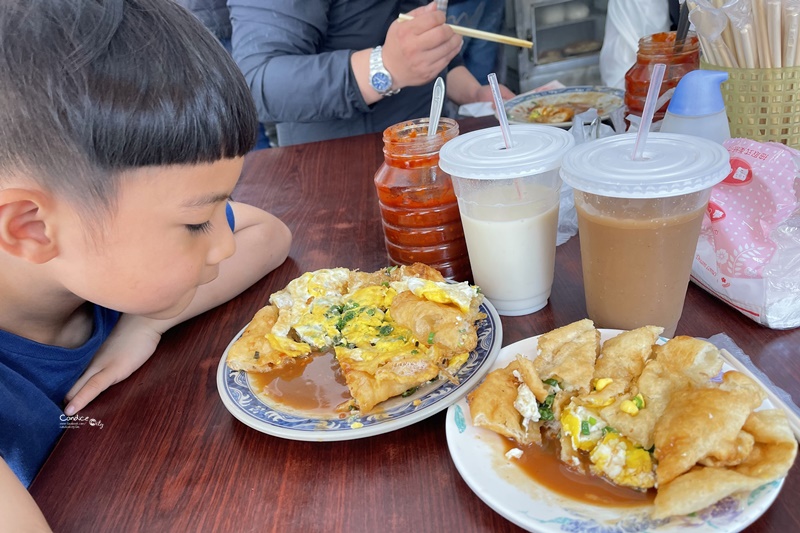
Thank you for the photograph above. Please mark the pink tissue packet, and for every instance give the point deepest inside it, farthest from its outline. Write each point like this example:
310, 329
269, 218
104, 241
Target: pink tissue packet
748, 254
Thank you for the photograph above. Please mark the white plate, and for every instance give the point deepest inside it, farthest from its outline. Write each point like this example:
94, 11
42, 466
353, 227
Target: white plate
275, 419
478, 456
603, 99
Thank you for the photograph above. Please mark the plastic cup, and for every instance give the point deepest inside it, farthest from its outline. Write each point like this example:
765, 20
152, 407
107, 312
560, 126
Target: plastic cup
508, 200
639, 222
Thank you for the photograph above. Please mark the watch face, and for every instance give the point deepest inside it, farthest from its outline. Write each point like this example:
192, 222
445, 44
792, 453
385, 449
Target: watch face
381, 82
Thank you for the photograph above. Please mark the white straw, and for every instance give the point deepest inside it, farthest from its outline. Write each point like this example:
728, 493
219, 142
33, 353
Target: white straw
649, 109
774, 29
792, 36
501, 109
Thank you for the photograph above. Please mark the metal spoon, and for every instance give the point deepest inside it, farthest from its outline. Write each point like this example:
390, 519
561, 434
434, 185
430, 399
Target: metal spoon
436, 106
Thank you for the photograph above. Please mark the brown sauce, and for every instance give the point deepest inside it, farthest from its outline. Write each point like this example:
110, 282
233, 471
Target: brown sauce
541, 464
315, 385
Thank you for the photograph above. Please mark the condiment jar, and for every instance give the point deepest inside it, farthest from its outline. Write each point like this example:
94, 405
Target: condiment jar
659, 48
421, 221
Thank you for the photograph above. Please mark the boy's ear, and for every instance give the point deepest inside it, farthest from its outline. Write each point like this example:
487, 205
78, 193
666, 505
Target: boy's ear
25, 231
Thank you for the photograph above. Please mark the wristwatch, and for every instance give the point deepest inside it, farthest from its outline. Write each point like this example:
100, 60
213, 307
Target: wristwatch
379, 77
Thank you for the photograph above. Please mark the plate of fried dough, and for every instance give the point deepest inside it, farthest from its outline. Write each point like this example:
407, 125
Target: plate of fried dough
647, 434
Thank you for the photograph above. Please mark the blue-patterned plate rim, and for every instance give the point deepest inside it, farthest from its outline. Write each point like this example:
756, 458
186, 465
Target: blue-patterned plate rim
275, 419
477, 455
511, 106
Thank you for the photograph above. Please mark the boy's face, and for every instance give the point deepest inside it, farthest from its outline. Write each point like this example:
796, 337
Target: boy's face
167, 237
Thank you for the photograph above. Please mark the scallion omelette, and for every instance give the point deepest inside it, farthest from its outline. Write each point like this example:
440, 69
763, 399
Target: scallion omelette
391, 330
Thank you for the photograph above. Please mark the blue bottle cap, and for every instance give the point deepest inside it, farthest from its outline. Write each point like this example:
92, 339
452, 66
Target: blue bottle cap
698, 94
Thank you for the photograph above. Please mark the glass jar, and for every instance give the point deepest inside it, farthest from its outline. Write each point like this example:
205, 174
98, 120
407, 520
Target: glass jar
421, 222
659, 48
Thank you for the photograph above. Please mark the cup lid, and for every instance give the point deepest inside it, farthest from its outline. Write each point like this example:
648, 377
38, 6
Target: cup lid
673, 164
482, 154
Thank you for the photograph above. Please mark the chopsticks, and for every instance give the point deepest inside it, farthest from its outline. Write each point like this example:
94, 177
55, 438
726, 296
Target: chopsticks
791, 415
483, 35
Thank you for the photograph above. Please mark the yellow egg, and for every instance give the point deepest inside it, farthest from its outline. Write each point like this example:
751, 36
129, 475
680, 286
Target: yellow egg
621, 461
460, 294
573, 421
288, 346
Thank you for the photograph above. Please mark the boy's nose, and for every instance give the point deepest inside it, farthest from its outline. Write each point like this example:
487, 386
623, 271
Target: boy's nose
223, 247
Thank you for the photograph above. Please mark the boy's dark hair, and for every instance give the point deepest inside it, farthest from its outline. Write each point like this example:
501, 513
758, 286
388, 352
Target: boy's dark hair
92, 88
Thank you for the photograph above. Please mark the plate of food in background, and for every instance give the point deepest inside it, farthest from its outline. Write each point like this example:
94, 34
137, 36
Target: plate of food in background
651, 435
341, 354
557, 107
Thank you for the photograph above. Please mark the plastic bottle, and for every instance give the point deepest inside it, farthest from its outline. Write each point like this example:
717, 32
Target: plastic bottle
421, 221
659, 48
697, 107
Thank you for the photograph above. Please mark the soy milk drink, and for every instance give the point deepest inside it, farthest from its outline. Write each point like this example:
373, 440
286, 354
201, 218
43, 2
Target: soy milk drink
639, 221
508, 200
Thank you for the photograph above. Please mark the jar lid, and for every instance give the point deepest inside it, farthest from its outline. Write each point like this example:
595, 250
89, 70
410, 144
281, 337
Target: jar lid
672, 164
483, 155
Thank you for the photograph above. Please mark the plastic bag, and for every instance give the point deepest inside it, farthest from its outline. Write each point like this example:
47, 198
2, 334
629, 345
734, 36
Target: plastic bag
585, 127
627, 21
748, 254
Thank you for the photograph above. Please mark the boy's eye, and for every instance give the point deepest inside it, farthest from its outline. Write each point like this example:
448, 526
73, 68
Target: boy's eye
205, 227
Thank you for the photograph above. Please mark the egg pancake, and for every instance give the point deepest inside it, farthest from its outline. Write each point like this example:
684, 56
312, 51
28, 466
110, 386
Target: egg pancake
649, 418
391, 330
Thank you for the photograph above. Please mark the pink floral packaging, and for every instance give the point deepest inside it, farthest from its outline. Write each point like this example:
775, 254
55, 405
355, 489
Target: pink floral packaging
748, 253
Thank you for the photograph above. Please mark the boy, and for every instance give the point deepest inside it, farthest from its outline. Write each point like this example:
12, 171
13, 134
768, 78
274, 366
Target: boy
123, 124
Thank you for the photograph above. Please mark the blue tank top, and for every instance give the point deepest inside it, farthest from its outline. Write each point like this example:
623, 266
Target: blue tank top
34, 378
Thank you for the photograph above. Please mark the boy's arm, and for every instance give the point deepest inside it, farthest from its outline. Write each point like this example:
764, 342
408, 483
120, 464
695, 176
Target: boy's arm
262, 243
18, 511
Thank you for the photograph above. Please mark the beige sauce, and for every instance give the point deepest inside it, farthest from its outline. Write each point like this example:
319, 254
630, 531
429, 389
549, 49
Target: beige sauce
314, 385
635, 272
541, 464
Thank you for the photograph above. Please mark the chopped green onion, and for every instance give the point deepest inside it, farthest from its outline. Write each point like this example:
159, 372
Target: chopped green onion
409, 392
592, 421
609, 429
431, 335
585, 428
551, 381
638, 401
385, 329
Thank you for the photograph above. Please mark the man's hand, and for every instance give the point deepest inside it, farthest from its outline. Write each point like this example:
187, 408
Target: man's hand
130, 344
418, 50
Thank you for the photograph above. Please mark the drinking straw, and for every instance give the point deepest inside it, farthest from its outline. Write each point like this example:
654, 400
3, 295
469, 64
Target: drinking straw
501, 115
774, 28
501, 110
760, 18
790, 51
649, 110
436, 106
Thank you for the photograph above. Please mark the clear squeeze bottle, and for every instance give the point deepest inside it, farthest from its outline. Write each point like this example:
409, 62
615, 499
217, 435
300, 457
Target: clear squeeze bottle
697, 107
421, 221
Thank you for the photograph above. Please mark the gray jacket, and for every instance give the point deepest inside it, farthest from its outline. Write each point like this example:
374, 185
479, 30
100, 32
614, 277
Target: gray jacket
212, 13
295, 55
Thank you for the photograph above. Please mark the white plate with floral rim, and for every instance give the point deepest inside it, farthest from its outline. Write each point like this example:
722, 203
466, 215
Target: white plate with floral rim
274, 418
479, 457
579, 99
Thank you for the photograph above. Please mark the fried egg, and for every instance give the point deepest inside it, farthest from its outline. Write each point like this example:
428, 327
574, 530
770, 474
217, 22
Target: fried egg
624, 463
460, 294
584, 427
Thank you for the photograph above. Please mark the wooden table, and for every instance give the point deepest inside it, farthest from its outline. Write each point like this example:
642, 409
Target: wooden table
170, 457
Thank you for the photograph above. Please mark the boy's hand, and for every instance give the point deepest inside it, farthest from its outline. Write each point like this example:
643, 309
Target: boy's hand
132, 342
